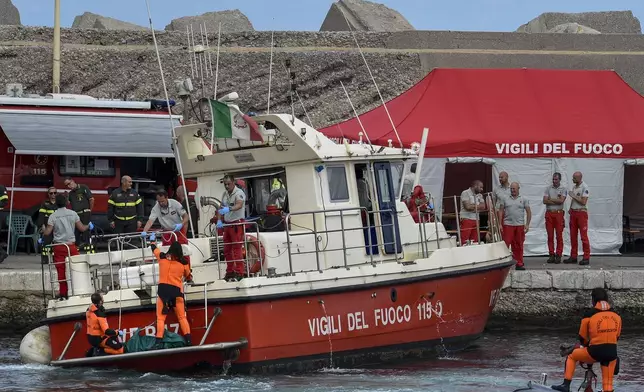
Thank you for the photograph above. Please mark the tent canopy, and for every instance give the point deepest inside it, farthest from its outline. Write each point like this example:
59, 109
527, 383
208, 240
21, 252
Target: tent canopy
50, 132
511, 113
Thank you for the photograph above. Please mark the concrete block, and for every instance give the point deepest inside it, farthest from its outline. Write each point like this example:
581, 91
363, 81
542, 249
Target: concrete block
593, 279
232, 21
24, 281
613, 22
539, 279
614, 279
9, 14
89, 20
567, 280
364, 16
633, 280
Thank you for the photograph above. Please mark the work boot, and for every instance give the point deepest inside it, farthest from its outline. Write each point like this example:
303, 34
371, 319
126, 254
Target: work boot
188, 339
558, 259
520, 267
565, 387
570, 260
551, 259
584, 262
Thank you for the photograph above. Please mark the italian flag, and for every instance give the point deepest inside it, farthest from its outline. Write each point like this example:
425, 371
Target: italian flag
228, 122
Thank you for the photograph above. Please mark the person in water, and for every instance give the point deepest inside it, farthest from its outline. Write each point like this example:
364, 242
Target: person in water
599, 332
99, 334
173, 268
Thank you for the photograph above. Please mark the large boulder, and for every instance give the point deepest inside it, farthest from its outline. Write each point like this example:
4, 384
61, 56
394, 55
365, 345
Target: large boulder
609, 22
573, 28
364, 16
232, 21
89, 20
9, 14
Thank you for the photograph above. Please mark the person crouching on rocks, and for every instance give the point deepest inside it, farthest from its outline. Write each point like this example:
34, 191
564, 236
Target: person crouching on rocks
173, 268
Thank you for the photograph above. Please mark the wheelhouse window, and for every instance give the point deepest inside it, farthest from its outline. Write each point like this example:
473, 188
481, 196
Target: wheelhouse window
397, 175
86, 166
338, 187
383, 184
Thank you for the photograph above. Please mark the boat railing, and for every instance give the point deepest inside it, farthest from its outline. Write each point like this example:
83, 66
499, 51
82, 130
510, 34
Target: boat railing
491, 229
345, 228
119, 242
51, 250
250, 234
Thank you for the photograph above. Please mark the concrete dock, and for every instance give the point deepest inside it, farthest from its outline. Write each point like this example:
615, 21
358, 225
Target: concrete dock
542, 296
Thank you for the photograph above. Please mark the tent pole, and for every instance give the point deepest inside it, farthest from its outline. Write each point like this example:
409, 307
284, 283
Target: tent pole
421, 156
13, 190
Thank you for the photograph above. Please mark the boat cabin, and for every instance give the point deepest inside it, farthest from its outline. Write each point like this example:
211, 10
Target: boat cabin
338, 204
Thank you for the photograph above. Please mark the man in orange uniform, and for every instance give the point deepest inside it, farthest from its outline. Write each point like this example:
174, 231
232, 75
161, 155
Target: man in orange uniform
62, 223
599, 332
99, 334
173, 268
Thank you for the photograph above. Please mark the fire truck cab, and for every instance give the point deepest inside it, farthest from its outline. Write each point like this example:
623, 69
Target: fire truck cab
46, 139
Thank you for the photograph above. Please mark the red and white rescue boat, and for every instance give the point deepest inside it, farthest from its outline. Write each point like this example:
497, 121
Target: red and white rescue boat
330, 283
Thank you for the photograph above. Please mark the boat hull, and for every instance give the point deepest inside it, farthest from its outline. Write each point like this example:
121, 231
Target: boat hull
297, 332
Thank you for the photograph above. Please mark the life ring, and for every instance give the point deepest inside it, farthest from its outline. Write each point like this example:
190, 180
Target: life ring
256, 252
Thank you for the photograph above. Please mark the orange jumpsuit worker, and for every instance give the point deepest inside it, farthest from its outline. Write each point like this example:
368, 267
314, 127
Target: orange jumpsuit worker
62, 223
233, 212
599, 332
99, 334
173, 268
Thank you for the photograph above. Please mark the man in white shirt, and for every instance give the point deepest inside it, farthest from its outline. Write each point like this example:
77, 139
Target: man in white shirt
172, 217
233, 213
516, 216
554, 198
472, 203
579, 220
62, 224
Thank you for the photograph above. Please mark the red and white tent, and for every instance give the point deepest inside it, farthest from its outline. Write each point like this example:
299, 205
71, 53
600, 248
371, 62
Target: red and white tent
530, 123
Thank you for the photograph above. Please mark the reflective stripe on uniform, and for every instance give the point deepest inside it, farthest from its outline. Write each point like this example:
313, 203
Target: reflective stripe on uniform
126, 218
3, 197
44, 211
128, 204
82, 211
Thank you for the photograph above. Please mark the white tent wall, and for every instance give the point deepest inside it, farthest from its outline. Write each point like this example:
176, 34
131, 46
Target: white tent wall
432, 179
605, 179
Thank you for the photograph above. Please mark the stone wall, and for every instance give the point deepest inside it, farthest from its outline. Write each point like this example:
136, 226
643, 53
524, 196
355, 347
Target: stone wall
117, 63
613, 22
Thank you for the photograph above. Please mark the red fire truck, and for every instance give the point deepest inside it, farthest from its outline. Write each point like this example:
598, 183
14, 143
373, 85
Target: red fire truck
45, 139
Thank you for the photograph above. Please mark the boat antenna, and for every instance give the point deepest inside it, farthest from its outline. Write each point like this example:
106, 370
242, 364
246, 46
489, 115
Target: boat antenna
304, 108
288, 73
190, 51
212, 134
373, 79
205, 30
270, 76
292, 88
357, 117
174, 134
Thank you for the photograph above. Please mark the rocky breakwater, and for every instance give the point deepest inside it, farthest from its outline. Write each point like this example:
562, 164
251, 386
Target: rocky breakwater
556, 298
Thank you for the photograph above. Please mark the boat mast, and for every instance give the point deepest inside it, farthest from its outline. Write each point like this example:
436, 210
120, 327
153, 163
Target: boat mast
56, 68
